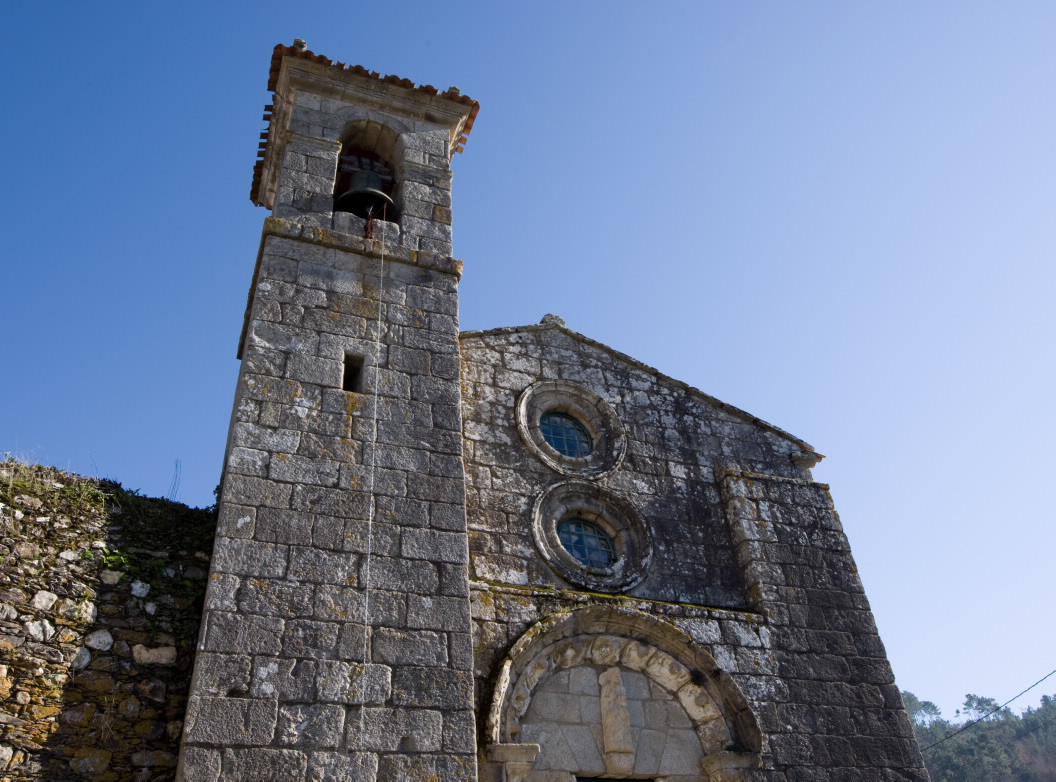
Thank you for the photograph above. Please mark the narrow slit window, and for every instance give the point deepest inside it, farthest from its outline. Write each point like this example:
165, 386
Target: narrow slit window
353, 379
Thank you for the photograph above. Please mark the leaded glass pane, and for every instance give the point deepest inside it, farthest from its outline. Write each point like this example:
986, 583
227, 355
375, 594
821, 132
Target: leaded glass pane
566, 435
588, 543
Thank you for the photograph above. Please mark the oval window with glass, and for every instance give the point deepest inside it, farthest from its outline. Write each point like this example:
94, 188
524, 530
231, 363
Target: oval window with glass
570, 429
566, 435
587, 542
591, 537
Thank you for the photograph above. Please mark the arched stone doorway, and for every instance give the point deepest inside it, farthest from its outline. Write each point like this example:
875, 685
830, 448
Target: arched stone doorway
616, 694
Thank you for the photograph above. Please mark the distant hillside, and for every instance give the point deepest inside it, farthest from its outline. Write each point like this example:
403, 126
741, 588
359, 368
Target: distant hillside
986, 743
100, 600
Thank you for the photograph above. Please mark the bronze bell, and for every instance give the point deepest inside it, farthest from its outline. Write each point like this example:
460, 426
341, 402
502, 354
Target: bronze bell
365, 198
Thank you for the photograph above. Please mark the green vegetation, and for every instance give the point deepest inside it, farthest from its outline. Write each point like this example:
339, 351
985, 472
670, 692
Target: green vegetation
999, 747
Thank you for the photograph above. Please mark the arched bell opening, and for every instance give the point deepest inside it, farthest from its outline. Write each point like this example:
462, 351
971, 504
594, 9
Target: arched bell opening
367, 183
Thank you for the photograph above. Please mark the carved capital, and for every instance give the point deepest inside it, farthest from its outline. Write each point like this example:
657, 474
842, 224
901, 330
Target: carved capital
516, 759
728, 766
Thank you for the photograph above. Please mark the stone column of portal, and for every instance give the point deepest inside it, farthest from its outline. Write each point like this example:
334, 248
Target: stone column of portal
336, 637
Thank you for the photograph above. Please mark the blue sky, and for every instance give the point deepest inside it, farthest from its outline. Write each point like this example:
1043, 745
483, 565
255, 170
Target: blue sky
836, 216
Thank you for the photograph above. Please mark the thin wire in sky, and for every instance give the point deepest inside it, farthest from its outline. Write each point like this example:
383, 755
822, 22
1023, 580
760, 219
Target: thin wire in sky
990, 713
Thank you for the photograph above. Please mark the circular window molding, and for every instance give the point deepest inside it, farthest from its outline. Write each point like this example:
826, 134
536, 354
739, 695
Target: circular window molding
613, 515
607, 445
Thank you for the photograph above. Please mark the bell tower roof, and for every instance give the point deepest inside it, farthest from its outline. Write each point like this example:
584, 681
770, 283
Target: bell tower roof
296, 67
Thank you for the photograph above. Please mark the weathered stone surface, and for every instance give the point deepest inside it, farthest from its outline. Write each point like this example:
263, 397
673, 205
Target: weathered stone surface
140, 589
100, 639
201, 764
160, 655
90, 762
290, 680
271, 597
310, 639
322, 567
264, 764
250, 558
436, 613
410, 647
316, 726
433, 545
352, 683
81, 659
457, 768
69, 674
43, 600
231, 721
227, 632
384, 729
152, 690
417, 577
342, 767
39, 629
431, 687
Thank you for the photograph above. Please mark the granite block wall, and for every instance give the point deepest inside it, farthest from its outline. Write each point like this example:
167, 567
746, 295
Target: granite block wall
749, 566
336, 636
336, 639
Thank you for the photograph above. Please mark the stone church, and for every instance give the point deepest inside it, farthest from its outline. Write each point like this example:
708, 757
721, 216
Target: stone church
513, 555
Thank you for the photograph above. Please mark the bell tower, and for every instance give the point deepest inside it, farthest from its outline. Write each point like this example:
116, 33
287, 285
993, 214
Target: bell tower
335, 643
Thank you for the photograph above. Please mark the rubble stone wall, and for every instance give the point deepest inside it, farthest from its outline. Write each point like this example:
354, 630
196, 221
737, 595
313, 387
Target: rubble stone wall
100, 601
